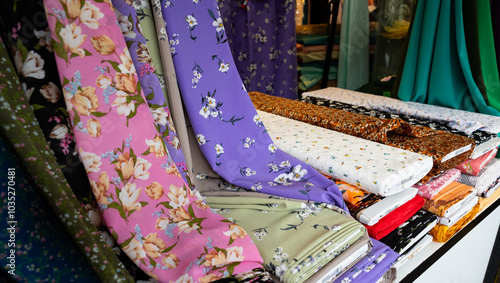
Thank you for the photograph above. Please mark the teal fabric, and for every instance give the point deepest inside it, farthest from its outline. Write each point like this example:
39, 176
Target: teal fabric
437, 69
353, 70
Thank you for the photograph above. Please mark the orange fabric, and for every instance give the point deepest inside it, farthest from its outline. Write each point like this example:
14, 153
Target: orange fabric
442, 233
447, 197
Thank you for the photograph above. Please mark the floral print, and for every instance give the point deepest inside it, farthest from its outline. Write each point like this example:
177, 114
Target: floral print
123, 168
223, 114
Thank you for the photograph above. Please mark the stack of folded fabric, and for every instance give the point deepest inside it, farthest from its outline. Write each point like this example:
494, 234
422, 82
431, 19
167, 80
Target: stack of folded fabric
448, 150
330, 241
484, 141
368, 165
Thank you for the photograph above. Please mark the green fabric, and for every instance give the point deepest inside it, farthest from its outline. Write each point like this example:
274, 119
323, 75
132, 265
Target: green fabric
317, 56
312, 39
487, 53
353, 68
148, 27
20, 131
312, 74
293, 237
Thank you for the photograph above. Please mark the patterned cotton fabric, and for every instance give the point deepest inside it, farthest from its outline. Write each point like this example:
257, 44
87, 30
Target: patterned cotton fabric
160, 223
487, 181
442, 233
351, 193
294, 238
449, 199
465, 121
448, 150
374, 167
436, 184
475, 166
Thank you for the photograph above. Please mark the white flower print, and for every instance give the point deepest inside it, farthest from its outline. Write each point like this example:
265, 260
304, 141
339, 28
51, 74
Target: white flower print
223, 67
123, 108
256, 187
90, 15
191, 20
282, 178
159, 115
272, 148
32, 65
298, 173
285, 164
218, 23
126, 26
201, 139
219, 150
91, 161
140, 4
205, 112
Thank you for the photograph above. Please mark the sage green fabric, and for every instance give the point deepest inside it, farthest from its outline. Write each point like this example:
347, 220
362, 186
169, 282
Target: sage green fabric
294, 238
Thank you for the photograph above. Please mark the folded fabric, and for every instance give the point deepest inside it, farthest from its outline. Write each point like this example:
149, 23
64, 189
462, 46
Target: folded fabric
374, 167
449, 199
372, 267
294, 238
447, 149
372, 214
410, 231
414, 250
429, 189
486, 202
351, 194
475, 166
485, 147
443, 233
461, 212
370, 200
486, 181
479, 137
465, 121
317, 56
394, 219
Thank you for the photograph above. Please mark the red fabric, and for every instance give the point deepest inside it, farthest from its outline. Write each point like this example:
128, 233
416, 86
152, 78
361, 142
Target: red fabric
394, 219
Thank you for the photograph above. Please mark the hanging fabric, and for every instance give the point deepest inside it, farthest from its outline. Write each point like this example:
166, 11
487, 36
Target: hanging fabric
227, 127
263, 43
21, 130
159, 222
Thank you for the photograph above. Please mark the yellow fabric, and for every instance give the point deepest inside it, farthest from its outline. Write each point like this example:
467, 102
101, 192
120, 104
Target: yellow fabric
442, 233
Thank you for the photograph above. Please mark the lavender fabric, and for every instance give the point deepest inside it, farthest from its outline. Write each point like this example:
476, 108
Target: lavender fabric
228, 129
371, 267
129, 23
262, 38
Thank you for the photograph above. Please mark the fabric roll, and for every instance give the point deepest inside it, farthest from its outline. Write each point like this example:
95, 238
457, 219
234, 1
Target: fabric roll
486, 182
449, 199
224, 121
411, 231
442, 233
479, 137
351, 193
37, 248
429, 189
22, 132
295, 239
150, 84
465, 121
395, 218
372, 214
262, 39
152, 214
448, 150
461, 212
374, 167
372, 267
475, 166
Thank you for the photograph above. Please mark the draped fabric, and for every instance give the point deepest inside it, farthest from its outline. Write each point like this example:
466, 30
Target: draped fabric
442, 233
429, 189
371, 267
448, 150
449, 199
263, 43
437, 69
465, 121
227, 127
374, 167
353, 70
24, 136
115, 131
38, 235
294, 238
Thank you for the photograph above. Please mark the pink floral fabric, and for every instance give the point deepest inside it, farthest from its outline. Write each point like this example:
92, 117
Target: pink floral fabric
436, 184
474, 166
159, 222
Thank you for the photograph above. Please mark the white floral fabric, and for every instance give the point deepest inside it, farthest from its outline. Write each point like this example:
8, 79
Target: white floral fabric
375, 167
